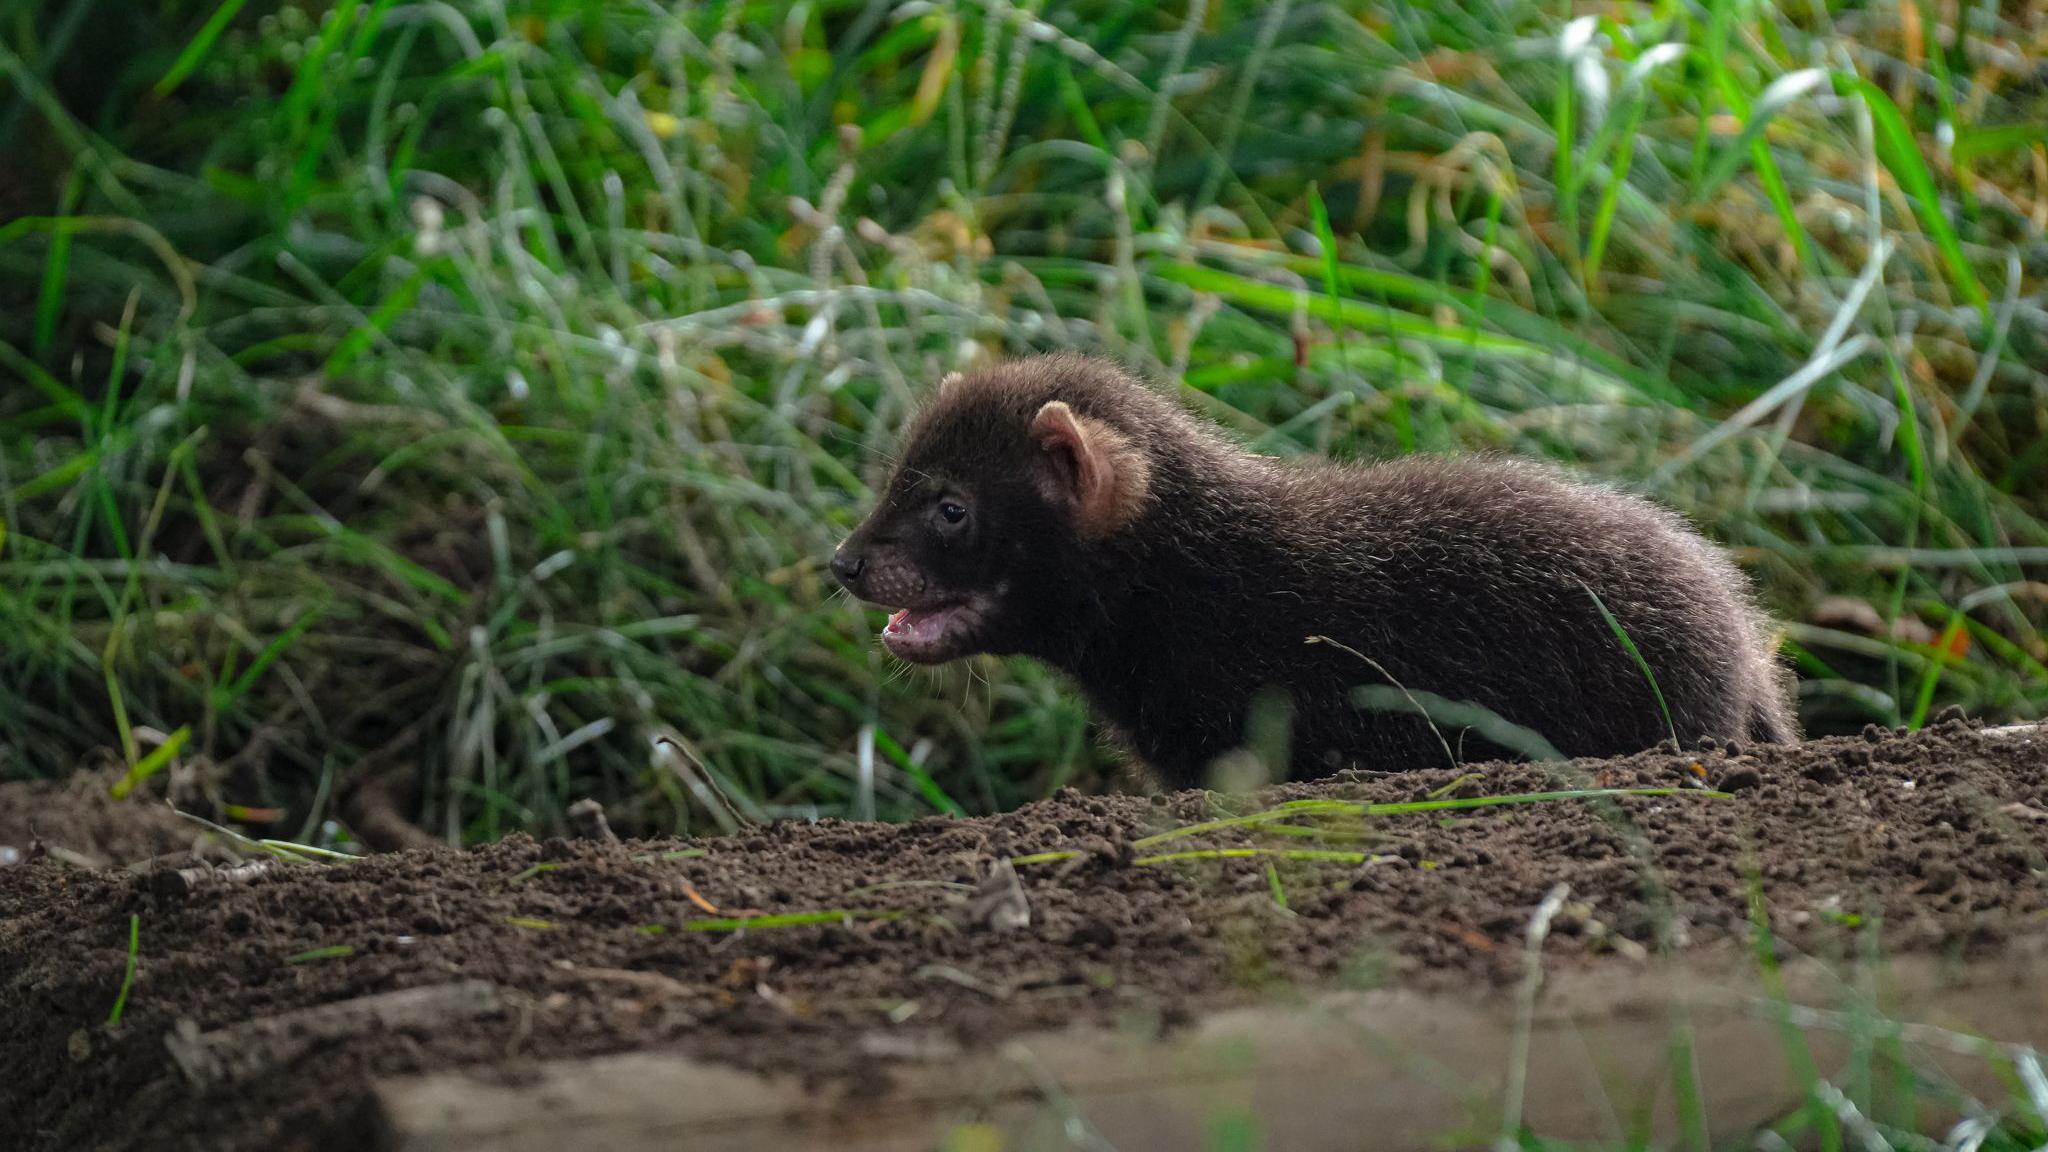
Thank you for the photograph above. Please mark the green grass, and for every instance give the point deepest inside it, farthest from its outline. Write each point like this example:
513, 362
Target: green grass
128, 976
1280, 815
484, 388
1329, 822
1628, 644
785, 920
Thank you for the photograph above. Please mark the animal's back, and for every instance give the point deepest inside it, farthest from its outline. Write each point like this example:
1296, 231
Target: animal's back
1475, 579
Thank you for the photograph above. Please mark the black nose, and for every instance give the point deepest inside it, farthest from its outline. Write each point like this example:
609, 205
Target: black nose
847, 568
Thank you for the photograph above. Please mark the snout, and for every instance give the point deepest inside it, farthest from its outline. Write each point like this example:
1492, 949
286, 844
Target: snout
848, 565
877, 572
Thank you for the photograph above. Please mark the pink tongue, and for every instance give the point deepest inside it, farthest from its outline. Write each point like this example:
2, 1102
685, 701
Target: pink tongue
896, 621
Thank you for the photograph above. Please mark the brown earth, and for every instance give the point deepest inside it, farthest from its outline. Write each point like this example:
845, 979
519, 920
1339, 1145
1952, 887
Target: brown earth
1935, 842
77, 822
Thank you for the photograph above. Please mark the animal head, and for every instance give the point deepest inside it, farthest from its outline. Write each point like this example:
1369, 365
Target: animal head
1006, 481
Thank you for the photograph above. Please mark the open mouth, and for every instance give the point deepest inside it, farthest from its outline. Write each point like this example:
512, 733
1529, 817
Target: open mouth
930, 635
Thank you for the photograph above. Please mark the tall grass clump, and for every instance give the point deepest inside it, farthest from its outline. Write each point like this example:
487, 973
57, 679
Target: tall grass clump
467, 394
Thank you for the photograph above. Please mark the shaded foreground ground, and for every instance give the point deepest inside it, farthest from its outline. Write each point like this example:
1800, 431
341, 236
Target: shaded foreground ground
1935, 842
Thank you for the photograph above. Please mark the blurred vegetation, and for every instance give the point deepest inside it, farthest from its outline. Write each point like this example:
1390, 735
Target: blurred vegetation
469, 393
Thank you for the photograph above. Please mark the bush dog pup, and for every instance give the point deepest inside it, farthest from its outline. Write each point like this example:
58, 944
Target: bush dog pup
1059, 508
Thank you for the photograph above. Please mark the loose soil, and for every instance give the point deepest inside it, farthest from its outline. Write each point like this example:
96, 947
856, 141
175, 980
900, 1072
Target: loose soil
77, 822
1934, 842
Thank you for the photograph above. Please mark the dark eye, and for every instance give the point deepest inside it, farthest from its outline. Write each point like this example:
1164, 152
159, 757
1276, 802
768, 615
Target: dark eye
952, 511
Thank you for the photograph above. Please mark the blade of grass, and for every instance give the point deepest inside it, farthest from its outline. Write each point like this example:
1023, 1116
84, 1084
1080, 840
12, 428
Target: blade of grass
1619, 132
1900, 153
1776, 97
59, 477
305, 852
1413, 702
1353, 808
1685, 1088
1077, 107
1720, 26
1358, 278
66, 399
1930, 676
196, 50
1981, 141
1315, 854
1824, 364
285, 850
56, 273
1273, 884
1797, 1053
222, 699
1042, 858
1572, 40
361, 338
299, 99
1443, 712
128, 977
786, 920
1355, 313
919, 778
151, 764
1610, 197
1326, 240
1642, 665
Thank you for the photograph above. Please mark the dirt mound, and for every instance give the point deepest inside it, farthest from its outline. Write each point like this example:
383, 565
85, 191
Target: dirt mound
867, 941
77, 821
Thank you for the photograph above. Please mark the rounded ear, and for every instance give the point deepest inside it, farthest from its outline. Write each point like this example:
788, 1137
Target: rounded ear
1104, 476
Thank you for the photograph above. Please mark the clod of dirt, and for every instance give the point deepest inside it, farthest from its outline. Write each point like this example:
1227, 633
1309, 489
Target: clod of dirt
833, 949
586, 816
1740, 778
1939, 878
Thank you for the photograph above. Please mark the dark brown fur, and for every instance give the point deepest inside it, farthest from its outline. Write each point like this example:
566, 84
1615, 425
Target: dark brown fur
1174, 576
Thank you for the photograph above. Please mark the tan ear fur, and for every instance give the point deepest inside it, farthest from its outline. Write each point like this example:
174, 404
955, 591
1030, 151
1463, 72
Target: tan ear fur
1110, 476
948, 382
